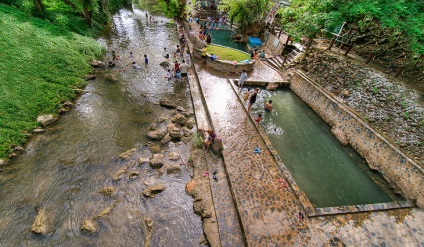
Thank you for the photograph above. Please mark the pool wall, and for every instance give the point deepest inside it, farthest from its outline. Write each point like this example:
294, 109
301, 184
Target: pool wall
399, 170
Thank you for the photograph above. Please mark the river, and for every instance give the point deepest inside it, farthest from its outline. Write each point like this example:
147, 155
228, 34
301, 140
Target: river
63, 170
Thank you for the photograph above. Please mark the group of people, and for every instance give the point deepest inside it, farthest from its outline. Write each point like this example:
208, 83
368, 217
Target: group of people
180, 69
115, 58
257, 54
250, 96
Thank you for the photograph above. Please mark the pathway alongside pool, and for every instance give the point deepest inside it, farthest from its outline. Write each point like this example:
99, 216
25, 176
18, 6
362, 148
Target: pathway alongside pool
269, 214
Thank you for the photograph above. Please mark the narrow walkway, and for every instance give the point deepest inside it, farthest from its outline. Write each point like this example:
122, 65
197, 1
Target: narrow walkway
228, 224
269, 214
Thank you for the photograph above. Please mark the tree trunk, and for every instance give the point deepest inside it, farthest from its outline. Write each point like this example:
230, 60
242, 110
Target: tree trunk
39, 5
308, 47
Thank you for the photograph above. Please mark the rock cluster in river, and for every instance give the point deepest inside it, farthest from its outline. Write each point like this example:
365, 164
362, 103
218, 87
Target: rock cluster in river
394, 110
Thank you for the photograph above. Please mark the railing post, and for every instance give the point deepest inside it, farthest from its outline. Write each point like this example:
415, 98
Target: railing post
348, 49
331, 43
369, 58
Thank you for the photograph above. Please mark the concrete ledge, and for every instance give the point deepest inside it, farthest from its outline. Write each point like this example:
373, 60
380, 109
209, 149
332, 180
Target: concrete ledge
398, 169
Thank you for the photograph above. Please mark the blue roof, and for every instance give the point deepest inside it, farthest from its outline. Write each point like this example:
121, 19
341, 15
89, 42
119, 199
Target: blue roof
253, 41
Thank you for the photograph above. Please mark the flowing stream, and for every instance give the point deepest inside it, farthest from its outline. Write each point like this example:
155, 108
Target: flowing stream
63, 170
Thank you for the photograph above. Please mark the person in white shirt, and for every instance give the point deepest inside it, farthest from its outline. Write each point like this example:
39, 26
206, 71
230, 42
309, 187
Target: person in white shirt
184, 70
243, 78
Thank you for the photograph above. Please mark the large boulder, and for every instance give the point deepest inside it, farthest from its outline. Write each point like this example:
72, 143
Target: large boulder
167, 103
156, 134
45, 120
97, 64
156, 161
90, 226
179, 119
40, 226
152, 190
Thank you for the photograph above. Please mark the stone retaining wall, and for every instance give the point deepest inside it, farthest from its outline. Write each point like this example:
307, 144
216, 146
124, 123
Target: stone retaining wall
399, 170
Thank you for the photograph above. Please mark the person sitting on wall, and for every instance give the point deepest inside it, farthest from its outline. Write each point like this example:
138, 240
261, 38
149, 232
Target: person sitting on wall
210, 139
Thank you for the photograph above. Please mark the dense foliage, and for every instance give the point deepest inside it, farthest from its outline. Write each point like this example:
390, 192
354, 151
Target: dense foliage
40, 64
245, 13
398, 23
83, 16
172, 8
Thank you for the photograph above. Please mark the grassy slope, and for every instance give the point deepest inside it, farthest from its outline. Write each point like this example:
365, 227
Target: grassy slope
227, 54
39, 66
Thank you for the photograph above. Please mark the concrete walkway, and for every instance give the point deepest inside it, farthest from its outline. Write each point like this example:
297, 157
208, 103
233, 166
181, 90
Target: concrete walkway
269, 214
228, 224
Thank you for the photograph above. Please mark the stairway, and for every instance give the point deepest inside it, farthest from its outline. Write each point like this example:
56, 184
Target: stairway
278, 62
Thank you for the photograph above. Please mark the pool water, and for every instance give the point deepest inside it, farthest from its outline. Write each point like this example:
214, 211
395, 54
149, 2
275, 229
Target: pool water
327, 172
222, 36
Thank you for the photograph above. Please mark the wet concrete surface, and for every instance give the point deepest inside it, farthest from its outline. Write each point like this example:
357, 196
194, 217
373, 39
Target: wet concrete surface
228, 224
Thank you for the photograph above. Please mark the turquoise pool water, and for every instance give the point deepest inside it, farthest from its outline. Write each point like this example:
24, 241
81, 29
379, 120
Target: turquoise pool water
328, 173
222, 36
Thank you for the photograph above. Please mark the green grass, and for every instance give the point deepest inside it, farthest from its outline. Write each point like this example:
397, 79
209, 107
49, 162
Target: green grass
40, 64
226, 53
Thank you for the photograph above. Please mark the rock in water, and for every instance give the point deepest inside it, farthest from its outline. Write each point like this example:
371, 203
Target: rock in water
156, 161
39, 226
127, 154
111, 78
166, 139
133, 174
164, 64
45, 120
175, 135
97, 64
173, 169
90, 226
190, 123
90, 77
167, 103
156, 134
108, 191
179, 119
118, 174
149, 222
173, 156
151, 191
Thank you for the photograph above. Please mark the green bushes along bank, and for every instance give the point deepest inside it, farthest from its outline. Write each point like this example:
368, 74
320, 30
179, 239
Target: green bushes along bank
40, 64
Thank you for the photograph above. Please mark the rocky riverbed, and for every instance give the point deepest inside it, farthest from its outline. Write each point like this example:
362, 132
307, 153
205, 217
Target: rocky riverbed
393, 109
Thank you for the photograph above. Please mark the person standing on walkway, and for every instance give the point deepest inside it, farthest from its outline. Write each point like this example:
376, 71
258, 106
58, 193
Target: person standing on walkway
243, 78
146, 60
187, 57
184, 70
252, 99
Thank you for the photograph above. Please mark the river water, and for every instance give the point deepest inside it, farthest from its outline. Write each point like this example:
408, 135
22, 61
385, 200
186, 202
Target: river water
62, 170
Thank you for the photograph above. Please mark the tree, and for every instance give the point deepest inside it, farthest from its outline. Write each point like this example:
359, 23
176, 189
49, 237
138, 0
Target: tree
173, 8
246, 13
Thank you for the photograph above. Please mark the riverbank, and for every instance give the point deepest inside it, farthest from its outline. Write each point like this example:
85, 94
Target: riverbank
41, 65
